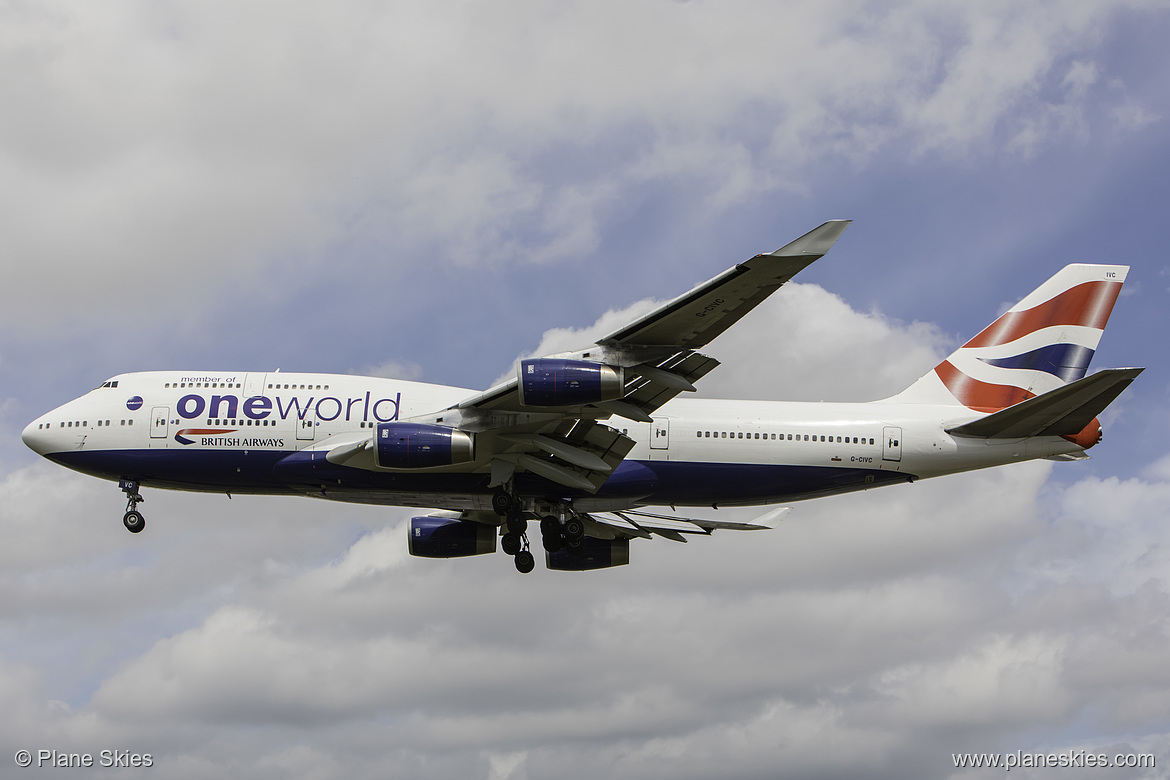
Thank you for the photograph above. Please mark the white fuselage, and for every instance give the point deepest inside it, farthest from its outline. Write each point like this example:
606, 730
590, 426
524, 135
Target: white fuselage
234, 432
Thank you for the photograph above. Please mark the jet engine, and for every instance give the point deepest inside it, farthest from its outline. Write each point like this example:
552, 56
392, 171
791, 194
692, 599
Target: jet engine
450, 537
594, 554
550, 382
414, 446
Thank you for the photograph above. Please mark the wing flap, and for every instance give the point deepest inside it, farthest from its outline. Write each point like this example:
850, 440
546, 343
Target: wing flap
580, 454
628, 523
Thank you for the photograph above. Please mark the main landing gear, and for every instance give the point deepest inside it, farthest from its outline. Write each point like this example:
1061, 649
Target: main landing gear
515, 539
569, 535
555, 533
133, 519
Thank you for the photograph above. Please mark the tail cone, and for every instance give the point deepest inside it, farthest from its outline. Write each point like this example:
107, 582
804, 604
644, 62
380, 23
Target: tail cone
1090, 435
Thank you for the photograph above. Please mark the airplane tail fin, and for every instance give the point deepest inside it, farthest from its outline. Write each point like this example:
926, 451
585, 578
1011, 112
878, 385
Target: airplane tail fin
1043, 343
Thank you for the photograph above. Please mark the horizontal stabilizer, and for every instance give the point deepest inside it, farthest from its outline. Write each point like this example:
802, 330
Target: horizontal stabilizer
1064, 411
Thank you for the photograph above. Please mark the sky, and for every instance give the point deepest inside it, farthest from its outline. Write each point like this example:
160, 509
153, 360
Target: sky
430, 190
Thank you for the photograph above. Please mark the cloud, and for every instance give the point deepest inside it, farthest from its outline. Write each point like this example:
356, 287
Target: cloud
393, 369
174, 148
885, 629
806, 343
182, 153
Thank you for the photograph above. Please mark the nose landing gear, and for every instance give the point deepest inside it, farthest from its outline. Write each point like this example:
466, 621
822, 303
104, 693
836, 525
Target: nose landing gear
133, 519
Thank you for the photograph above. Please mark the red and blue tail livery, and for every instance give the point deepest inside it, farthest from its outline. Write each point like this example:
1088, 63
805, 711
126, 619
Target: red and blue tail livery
585, 443
1043, 342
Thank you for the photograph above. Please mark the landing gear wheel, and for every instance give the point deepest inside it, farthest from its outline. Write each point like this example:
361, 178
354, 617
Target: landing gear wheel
552, 542
575, 546
549, 525
134, 521
574, 529
516, 523
510, 543
501, 502
550, 534
525, 562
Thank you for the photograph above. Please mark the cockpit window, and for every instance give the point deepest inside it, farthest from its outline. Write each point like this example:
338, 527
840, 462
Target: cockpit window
111, 383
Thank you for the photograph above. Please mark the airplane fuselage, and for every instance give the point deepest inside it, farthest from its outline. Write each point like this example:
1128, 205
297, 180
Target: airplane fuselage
268, 433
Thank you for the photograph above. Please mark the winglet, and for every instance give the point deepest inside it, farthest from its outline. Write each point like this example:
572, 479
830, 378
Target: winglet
817, 241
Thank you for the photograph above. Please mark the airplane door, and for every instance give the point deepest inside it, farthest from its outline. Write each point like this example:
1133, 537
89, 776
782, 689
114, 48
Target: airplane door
892, 444
159, 422
659, 438
307, 428
253, 385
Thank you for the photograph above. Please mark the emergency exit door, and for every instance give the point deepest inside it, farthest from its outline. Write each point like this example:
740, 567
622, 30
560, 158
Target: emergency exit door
159, 421
660, 436
892, 444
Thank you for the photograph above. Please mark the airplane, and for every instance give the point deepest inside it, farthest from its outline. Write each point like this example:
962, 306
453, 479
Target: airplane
585, 441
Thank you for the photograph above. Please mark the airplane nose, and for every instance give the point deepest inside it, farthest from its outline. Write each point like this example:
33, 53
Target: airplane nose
34, 438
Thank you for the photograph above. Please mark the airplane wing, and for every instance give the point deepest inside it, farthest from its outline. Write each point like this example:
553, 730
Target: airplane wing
545, 420
694, 319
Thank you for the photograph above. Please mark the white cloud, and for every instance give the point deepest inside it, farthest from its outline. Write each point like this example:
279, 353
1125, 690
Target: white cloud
189, 148
394, 369
882, 630
868, 634
807, 344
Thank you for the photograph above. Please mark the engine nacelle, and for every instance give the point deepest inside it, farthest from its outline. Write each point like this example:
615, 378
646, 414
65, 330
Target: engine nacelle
595, 554
554, 382
415, 446
450, 537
